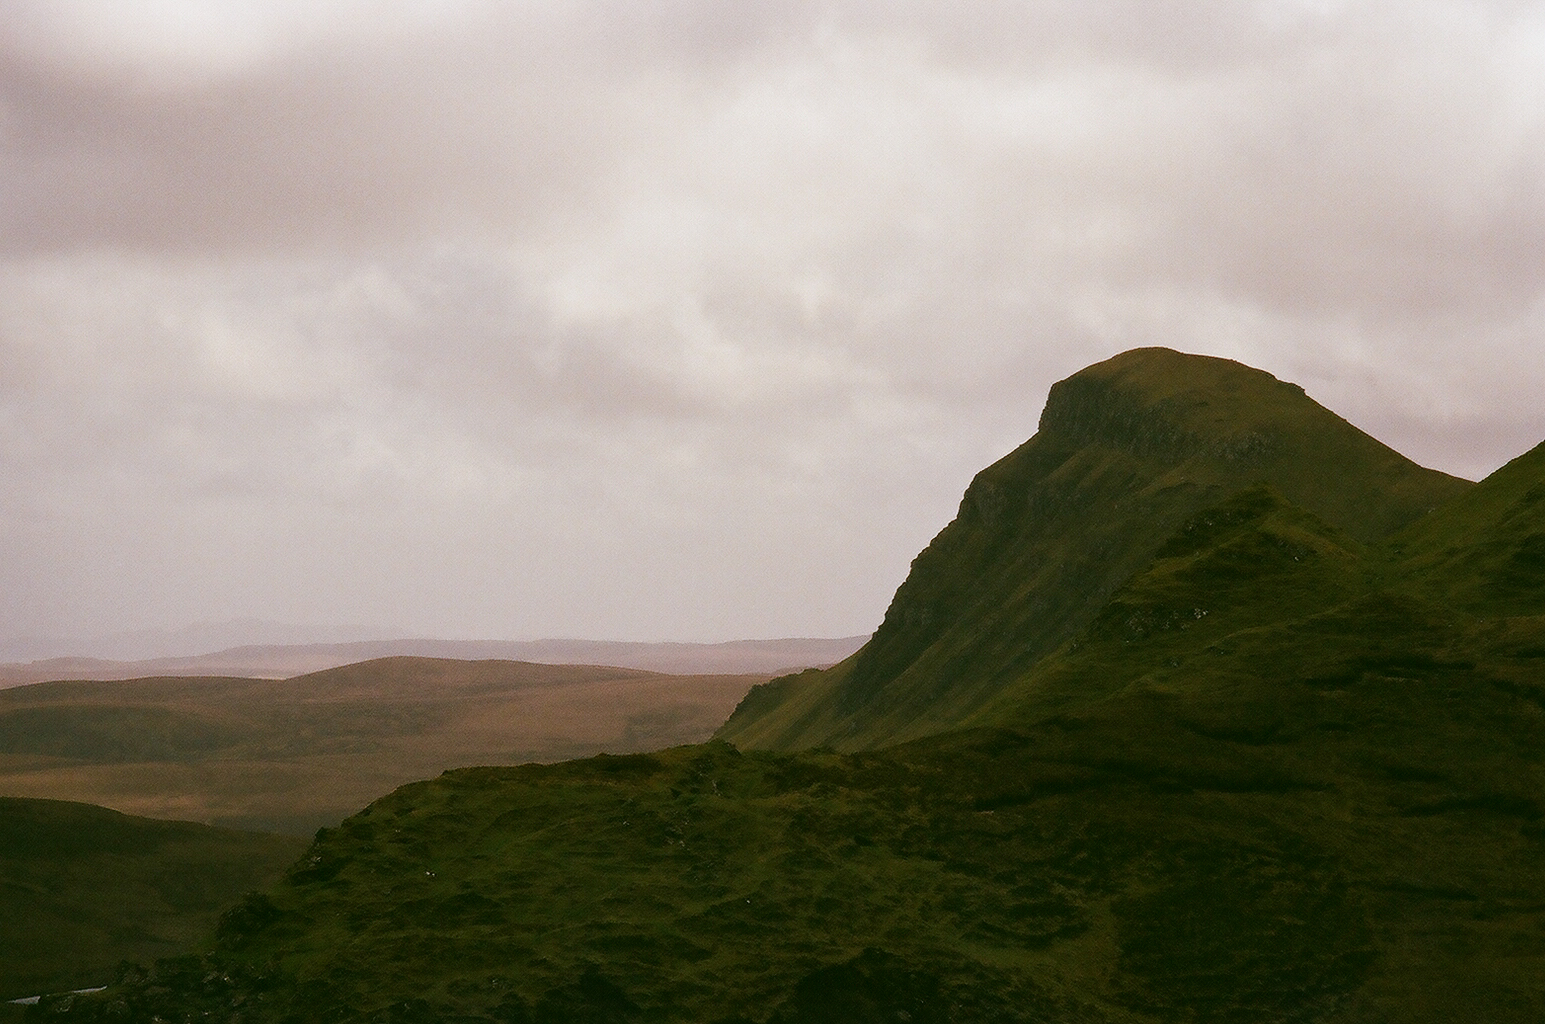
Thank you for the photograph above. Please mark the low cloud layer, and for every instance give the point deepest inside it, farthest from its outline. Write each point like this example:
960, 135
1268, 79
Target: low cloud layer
691, 320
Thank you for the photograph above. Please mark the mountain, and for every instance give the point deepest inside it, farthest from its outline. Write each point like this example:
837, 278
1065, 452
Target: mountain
1206, 708
283, 661
1127, 450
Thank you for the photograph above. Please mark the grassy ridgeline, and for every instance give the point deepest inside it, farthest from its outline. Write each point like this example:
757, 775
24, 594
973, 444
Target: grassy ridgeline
83, 887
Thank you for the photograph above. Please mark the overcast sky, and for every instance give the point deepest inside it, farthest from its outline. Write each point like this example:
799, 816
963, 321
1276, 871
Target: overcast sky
691, 319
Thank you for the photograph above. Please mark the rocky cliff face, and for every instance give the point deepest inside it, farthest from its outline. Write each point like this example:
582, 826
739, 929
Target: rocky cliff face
1095, 410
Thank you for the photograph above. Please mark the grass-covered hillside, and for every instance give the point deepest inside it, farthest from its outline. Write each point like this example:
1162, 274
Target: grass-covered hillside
1485, 552
1128, 450
82, 888
1361, 842
1239, 737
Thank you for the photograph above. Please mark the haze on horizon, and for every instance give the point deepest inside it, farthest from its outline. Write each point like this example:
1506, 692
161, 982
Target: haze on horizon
691, 320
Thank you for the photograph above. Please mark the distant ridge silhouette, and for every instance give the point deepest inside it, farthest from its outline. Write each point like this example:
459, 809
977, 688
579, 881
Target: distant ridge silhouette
282, 661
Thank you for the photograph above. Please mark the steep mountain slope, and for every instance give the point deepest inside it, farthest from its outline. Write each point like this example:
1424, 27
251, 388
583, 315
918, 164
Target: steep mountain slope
1484, 552
1251, 561
1127, 450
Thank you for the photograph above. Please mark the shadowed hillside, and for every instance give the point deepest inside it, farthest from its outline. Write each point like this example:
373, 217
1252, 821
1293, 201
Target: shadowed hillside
1486, 551
82, 888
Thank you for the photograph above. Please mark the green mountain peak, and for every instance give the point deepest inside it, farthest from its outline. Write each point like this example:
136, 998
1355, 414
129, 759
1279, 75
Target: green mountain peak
1127, 451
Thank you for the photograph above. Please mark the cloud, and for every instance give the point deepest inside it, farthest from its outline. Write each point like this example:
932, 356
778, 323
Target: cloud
346, 145
698, 313
180, 43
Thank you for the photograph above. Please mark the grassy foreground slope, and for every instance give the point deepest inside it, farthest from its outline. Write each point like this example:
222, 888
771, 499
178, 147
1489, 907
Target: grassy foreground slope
1358, 839
1127, 451
82, 888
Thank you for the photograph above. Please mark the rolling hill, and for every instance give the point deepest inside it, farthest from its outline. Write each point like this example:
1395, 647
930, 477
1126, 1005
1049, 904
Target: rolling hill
295, 754
1206, 707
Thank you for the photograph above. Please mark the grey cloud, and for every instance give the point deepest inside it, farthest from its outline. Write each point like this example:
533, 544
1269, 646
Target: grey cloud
330, 149
693, 318
495, 347
1353, 158
1397, 185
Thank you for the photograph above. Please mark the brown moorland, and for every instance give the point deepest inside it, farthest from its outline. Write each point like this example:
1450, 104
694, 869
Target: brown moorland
295, 754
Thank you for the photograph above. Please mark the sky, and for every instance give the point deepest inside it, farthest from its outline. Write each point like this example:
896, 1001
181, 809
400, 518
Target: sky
692, 319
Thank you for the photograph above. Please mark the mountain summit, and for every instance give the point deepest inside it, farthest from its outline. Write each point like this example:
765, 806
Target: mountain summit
1127, 451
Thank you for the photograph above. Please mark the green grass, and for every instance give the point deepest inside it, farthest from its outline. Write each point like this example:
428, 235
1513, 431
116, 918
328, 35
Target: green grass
1485, 552
82, 888
1128, 451
1155, 858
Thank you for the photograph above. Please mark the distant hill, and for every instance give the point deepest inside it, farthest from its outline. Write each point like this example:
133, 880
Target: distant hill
293, 754
82, 888
1207, 707
282, 661
1127, 451
186, 641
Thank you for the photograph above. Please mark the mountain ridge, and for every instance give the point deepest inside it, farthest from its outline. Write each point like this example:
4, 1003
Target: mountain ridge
1127, 450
